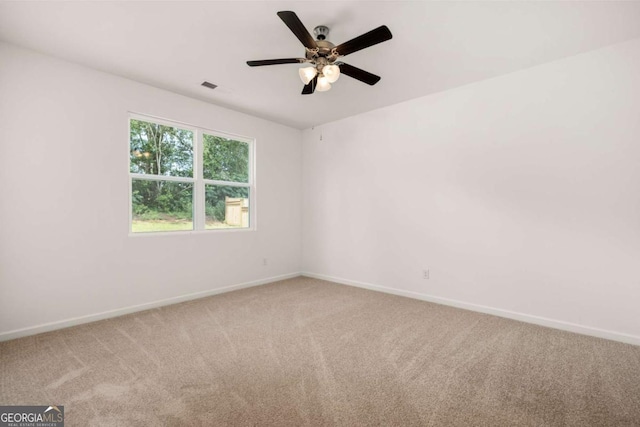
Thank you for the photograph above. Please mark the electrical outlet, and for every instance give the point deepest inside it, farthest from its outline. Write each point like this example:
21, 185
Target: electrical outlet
425, 274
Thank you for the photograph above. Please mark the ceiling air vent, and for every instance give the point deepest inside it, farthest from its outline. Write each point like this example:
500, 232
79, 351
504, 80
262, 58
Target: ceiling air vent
209, 85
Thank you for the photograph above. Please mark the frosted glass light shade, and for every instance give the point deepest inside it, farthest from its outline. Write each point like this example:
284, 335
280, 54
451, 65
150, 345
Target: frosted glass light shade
323, 84
331, 72
307, 74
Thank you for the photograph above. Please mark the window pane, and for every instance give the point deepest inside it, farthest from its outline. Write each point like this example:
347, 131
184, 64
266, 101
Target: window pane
160, 150
226, 207
161, 206
225, 159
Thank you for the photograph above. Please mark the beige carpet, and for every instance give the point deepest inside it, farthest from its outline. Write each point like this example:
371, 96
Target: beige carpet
309, 352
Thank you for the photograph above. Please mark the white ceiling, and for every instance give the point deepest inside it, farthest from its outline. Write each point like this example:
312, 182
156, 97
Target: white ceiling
435, 46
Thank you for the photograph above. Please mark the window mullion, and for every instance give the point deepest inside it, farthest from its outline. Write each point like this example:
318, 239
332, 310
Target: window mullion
149, 177
199, 203
226, 183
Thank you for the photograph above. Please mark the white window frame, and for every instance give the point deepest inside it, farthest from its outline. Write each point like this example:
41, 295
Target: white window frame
197, 180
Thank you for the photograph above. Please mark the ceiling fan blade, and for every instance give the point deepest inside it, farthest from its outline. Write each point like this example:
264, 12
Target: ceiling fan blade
297, 27
358, 74
311, 87
371, 38
275, 61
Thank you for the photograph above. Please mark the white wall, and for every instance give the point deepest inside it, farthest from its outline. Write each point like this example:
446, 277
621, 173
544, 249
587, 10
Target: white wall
520, 193
64, 245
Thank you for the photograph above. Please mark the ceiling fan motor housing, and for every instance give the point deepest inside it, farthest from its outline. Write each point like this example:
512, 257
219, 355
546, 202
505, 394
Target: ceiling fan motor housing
324, 50
323, 54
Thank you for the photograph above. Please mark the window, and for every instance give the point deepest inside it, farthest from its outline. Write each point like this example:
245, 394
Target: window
187, 178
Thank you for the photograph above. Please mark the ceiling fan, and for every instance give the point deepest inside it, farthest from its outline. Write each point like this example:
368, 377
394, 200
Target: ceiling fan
323, 55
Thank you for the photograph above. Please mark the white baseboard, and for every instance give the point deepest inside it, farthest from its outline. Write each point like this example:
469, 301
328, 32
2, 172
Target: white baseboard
528, 318
46, 327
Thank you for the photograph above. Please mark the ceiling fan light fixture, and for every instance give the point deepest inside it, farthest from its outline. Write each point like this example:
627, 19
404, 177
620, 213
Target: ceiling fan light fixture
323, 84
331, 72
307, 74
